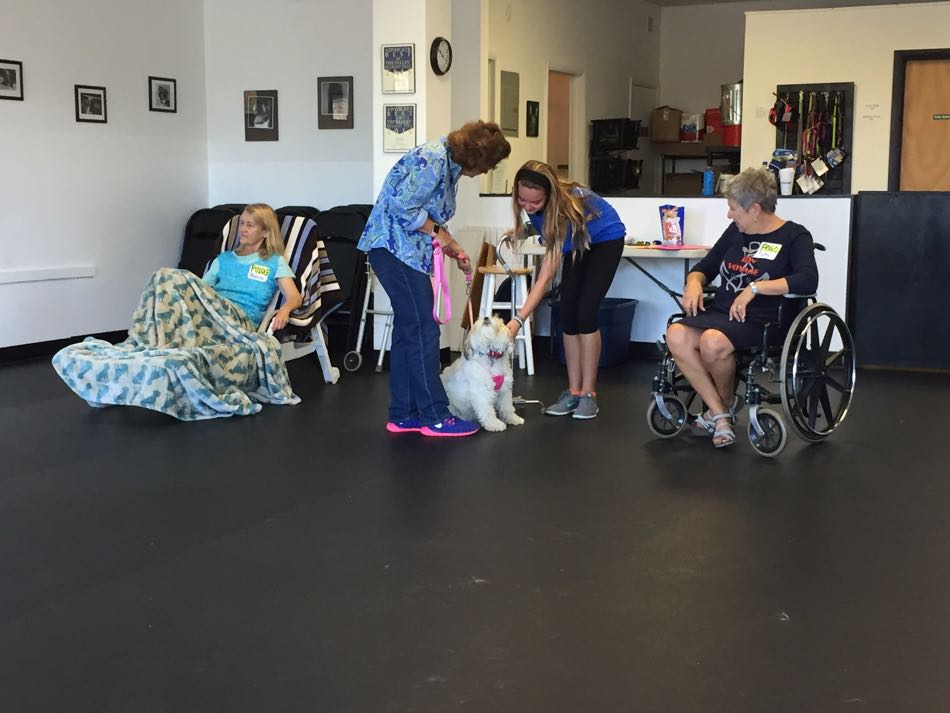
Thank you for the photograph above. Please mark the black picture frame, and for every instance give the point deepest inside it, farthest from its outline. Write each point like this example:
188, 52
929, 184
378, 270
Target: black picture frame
91, 104
532, 118
260, 115
334, 102
11, 79
162, 95
399, 69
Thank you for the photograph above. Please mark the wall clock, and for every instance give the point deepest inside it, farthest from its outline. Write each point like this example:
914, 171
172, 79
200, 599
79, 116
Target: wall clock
440, 55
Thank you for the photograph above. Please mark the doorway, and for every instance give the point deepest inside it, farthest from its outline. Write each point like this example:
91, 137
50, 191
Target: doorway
920, 121
559, 123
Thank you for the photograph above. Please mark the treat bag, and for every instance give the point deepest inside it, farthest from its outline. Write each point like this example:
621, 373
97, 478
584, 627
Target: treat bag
671, 224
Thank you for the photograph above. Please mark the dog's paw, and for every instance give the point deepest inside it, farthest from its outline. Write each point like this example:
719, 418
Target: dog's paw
515, 420
494, 426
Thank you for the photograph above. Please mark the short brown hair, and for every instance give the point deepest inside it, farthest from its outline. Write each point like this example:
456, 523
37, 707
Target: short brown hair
478, 146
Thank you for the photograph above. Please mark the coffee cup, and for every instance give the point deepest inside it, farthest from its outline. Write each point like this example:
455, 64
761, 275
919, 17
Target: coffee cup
786, 178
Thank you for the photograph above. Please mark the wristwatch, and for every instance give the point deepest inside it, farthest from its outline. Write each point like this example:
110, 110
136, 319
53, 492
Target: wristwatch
754, 288
436, 229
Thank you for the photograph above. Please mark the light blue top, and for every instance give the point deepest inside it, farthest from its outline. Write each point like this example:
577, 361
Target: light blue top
422, 183
248, 281
604, 222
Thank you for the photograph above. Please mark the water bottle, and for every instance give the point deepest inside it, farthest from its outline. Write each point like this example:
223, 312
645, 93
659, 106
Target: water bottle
709, 182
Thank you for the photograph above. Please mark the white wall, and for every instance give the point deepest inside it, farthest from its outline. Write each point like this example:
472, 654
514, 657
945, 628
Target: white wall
112, 197
397, 23
868, 63
285, 45
608, 43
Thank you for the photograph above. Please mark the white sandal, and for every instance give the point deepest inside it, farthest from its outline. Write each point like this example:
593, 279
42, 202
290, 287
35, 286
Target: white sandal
703, 426
728, 432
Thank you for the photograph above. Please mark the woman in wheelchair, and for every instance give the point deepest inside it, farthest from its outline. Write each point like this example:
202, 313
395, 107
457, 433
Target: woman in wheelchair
759, 258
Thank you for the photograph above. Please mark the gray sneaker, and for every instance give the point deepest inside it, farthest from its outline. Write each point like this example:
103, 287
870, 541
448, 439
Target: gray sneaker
566, 403
586, 407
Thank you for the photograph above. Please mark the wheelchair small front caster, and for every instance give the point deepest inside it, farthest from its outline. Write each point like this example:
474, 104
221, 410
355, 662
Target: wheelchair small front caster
669, 424
352, 361
770, 437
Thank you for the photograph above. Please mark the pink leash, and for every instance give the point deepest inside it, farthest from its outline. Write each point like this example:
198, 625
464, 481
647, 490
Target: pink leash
440, 282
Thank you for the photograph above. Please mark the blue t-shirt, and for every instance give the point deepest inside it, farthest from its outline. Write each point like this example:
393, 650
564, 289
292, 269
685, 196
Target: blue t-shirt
606, 225
248, 281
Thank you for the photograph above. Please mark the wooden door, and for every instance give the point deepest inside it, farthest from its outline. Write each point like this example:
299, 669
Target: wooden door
925, 140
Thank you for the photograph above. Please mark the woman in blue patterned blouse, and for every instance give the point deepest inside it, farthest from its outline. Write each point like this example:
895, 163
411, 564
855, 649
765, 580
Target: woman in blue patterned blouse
415, 202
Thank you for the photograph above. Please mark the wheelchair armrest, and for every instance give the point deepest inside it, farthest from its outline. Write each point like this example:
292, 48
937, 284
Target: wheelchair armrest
791, 296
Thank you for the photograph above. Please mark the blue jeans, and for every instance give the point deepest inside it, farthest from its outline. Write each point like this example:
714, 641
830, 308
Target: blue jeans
414, 385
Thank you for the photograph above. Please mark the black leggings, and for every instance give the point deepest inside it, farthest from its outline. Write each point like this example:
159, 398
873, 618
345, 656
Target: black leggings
584, 284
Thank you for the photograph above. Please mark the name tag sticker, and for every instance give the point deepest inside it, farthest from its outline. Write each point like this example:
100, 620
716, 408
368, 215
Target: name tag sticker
767, 251
259, 273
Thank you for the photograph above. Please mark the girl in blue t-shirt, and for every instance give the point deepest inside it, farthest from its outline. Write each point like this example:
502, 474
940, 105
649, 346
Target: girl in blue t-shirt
249, 275
581, 229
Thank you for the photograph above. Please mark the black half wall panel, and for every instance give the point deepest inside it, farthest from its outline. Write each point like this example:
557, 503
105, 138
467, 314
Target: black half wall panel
899, 301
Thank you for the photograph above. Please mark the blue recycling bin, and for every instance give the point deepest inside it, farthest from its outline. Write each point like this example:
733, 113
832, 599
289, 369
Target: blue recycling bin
615, 318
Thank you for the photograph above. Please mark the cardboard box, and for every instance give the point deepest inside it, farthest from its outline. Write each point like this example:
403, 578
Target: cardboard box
684, 184
665, 124
713, 139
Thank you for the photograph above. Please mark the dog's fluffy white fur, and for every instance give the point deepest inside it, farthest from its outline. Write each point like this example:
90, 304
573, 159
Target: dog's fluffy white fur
478, 383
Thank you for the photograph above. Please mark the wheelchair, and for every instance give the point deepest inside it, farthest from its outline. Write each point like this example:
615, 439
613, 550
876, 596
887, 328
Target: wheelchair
814, 370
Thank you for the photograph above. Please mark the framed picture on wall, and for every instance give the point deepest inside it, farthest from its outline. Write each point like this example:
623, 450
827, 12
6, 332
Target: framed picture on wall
399, 127
11, 79
334, 102
260, 115
399, 69
90, 104
532, 118
162, 94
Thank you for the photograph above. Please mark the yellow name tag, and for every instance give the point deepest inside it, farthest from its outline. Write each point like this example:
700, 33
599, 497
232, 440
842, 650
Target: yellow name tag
767, 251
259, 273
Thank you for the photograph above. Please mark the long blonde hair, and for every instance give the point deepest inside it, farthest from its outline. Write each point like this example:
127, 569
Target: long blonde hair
273, 241
563, 207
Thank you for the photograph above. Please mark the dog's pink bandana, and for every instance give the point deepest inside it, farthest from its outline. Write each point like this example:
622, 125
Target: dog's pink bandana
499, 380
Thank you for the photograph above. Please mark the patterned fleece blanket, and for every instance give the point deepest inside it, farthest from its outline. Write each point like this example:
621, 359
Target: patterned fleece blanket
190, 354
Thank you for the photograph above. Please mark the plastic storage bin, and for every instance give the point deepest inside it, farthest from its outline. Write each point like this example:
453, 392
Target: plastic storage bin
615, 318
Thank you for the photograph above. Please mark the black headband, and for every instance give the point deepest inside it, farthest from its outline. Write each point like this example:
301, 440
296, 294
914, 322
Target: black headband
533, 177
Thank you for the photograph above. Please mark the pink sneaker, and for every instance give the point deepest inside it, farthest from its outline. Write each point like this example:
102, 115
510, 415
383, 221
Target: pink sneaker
407, 425
450, 427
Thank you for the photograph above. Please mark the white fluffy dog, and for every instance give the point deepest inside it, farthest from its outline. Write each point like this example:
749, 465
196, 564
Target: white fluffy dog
478, 383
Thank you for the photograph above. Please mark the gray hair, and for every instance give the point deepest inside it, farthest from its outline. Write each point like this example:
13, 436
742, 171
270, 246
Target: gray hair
754, 185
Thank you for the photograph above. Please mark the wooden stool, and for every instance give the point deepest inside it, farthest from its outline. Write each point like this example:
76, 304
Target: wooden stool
493, 276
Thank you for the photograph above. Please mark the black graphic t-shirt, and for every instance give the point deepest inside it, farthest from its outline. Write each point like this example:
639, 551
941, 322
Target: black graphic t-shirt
739, 259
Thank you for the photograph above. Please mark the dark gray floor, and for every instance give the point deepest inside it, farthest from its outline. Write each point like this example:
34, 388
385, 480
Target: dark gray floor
305, 560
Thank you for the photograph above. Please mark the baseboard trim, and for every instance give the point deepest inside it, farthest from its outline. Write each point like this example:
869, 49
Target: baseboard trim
39, 350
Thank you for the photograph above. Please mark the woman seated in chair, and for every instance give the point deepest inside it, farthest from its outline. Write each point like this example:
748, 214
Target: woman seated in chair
249, 275
759, 258
195, 349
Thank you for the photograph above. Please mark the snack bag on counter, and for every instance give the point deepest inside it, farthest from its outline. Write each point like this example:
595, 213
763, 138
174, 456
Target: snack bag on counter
671, 224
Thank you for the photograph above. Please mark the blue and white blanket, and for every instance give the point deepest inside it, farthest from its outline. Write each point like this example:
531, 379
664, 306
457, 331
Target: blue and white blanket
190, 354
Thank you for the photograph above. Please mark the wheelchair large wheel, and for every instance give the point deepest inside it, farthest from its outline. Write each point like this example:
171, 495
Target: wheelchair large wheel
818, 371
774, 437
665, 427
